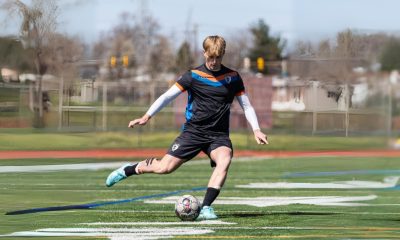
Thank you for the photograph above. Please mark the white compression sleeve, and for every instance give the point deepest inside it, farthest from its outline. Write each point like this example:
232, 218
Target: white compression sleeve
248, 111
163, 100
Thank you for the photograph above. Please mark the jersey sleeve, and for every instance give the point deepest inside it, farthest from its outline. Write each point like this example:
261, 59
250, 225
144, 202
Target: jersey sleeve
240, 90
184, 82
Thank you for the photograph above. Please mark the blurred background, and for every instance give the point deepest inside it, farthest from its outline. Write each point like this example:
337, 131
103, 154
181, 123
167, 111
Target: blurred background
321, 69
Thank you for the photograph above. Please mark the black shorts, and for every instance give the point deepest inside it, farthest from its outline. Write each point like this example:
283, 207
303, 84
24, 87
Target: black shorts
187, 145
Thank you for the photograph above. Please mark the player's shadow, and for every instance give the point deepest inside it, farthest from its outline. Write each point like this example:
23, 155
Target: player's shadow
263, 214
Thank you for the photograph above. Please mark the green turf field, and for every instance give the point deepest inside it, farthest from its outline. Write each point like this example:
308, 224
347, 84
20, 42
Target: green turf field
24, 139
245, 213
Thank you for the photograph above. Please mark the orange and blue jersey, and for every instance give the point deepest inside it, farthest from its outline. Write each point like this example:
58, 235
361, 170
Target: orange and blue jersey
210, 96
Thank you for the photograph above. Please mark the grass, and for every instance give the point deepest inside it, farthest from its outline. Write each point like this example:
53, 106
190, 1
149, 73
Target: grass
295, 221
37, 140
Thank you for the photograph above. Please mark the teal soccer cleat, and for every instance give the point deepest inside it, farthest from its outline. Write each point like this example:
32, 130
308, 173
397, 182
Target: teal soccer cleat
117, 175
207, 213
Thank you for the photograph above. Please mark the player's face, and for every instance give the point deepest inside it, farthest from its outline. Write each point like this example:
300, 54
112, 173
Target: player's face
213, 62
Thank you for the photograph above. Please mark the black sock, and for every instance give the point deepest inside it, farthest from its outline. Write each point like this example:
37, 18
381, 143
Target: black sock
130, 170
211, 195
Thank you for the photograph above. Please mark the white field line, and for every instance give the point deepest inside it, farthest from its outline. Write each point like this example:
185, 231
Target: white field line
218, 222
99, 166
387, 183
113, 233
61, 167
366, 228
281, 201
158, 233
211, 222
386, 204
249, 212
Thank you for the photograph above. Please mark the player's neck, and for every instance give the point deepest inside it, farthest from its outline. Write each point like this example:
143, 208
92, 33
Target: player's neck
215, 70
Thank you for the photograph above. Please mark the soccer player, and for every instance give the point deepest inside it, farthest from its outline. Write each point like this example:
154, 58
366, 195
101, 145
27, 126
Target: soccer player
211, 89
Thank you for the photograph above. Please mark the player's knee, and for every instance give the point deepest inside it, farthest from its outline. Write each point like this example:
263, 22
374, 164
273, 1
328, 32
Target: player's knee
223, 163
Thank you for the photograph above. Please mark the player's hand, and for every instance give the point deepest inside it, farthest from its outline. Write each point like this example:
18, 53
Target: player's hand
260, 137
140, 121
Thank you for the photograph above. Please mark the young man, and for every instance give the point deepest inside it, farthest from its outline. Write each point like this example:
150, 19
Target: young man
211, 89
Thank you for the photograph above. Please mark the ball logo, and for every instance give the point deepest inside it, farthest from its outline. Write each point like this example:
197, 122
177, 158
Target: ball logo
228, 79
175, 146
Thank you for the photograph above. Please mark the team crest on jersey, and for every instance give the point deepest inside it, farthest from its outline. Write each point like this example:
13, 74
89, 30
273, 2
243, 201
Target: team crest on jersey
174, 147
228, 79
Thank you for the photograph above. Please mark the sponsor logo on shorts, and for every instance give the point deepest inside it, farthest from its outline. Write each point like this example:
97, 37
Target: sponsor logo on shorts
175, 146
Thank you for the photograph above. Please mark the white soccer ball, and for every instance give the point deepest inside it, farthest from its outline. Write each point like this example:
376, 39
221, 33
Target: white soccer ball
187, 208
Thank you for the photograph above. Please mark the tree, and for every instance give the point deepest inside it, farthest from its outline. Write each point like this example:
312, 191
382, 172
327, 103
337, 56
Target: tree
390, 57
14, 55
237, 49
324, 49
117, 43
264, 45
366, 46
334, 60
346, 45
62, 52
37, 28
303, 49
161, 56
136, 35
184, 58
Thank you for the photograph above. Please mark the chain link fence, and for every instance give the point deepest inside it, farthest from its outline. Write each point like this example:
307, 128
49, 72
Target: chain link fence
325, 109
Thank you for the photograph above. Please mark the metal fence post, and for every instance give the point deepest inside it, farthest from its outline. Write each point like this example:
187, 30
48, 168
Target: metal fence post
104, 107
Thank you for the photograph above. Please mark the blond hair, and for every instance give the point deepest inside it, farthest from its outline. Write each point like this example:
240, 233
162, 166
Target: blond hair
214, 46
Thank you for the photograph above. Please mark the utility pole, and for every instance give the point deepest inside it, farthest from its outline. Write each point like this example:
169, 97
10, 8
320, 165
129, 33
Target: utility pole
195, 36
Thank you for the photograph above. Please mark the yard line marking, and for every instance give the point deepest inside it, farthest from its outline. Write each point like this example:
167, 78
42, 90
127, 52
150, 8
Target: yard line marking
98, 166
386, 204
112, 233
260, 212
309, 236
97, 204
186, 232
375, 229
210, 222
351, 172
279, 201
61, 167
388, 182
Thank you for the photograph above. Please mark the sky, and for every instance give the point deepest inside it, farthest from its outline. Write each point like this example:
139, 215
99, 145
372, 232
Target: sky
291, 19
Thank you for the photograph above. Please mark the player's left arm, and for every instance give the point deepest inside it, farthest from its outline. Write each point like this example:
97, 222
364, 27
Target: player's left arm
251, 117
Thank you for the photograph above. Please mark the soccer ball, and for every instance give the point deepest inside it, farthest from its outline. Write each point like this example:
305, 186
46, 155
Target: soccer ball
187, 208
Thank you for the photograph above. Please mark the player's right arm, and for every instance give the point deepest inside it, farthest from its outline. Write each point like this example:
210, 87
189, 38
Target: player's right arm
161, 102
183, 83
